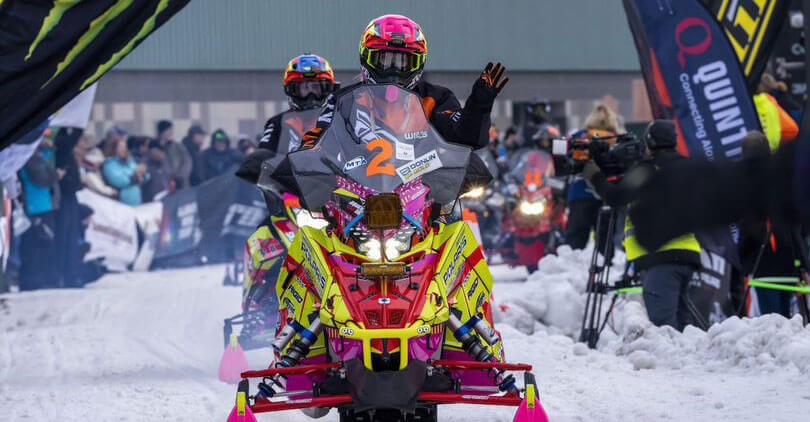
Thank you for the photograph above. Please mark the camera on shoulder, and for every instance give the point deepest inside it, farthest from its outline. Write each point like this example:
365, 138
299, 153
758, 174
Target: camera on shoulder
614, 154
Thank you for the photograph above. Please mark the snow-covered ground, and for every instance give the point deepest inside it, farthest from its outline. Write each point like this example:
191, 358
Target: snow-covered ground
145, 347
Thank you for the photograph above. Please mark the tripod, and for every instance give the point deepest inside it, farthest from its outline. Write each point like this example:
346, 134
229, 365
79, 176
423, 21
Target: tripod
598, 281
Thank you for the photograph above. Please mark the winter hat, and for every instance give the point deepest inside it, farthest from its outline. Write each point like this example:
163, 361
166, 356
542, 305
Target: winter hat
220, 135
661, 134
196, 130
163, 126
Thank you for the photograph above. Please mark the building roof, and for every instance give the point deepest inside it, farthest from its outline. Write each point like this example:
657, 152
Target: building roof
527, 35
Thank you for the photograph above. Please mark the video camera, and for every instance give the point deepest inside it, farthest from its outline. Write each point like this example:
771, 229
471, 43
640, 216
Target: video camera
614, 154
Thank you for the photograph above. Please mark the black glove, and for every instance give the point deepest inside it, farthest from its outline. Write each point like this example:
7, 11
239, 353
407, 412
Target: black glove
489, 85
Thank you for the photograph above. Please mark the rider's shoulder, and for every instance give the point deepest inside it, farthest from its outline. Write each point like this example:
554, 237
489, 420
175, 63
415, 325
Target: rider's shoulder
427, 89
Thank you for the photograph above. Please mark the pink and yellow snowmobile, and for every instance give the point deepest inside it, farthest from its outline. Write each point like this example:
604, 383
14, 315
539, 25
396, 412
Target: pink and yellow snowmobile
386, 312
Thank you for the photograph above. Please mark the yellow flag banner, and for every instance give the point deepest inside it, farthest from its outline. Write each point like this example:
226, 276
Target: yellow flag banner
751, 27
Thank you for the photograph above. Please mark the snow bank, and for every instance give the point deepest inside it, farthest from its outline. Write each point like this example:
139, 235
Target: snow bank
552, 301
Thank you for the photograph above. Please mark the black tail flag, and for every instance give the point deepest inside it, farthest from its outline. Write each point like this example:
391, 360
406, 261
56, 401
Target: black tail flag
52, 50
752, 27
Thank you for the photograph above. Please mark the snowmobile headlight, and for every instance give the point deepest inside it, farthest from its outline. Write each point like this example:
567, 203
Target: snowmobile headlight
371, 249
532, 207
305, 219
393, 248
474, 193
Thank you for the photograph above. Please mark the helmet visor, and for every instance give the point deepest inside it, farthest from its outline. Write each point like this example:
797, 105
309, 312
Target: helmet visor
402, 62
302, 89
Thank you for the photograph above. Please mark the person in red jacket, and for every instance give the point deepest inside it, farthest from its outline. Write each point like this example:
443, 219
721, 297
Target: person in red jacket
393, 49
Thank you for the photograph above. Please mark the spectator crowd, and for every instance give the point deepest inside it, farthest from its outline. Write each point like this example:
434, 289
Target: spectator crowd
48, 249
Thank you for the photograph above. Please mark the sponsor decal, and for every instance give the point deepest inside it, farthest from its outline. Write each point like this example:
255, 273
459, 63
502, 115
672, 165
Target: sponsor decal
455, 264
313, 267
384, 301
405, 151
419, 134
289, 305
472, 288
354, 163
421, 165
296, 295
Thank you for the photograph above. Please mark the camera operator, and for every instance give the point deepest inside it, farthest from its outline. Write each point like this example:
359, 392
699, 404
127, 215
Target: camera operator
665, 273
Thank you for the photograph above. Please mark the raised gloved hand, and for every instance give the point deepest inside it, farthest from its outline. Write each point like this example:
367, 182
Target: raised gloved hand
489, 85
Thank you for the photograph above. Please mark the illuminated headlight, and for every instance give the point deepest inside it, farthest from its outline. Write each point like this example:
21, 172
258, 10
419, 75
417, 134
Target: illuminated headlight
474, 193
393, 249
305, 219
532, 208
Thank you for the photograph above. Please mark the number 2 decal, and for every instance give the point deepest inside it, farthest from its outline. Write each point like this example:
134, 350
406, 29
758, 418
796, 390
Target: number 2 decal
379, 164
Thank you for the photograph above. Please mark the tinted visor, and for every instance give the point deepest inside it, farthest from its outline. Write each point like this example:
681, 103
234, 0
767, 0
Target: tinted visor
386, 61
318, 89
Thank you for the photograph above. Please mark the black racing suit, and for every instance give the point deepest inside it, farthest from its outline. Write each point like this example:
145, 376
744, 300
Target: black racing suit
467, 126
272, 135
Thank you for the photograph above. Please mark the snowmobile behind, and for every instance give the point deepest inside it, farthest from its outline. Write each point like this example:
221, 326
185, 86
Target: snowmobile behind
533, 222
482, 206
385, 313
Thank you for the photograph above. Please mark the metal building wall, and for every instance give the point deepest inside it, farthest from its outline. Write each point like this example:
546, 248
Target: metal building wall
528, 35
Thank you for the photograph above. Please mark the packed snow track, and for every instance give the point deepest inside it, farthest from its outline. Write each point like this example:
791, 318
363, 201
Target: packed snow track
145, 347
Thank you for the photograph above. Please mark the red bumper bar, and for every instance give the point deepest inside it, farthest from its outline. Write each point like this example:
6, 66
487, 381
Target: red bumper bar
295, 370
471, 364
263, 405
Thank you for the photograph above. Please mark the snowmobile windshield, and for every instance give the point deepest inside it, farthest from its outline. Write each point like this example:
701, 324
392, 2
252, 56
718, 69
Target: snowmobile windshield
380, 138
294, 125
489, 162
532, 167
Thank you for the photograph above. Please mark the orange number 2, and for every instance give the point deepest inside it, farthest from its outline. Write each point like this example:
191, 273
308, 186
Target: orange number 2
378, 164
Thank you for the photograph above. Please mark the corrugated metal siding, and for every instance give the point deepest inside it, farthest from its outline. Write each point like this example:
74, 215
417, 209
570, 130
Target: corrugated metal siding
529, 35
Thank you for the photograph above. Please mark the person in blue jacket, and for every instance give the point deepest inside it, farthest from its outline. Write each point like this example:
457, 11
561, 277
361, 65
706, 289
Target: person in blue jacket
40, 188
121, 172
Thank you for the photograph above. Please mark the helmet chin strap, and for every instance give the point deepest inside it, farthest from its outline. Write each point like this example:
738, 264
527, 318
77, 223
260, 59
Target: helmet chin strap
295, 106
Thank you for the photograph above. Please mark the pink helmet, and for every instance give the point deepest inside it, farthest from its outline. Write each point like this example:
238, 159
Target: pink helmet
393, 48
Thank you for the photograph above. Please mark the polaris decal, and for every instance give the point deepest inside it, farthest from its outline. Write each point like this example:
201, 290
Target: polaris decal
354, 163
314, 269
454, 264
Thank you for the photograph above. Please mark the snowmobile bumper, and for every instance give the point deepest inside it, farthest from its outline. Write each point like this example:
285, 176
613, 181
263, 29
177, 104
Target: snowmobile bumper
529, 408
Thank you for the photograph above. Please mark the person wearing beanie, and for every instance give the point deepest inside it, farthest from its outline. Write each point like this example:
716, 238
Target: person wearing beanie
178, 158
193, 143
666, 272
219, 157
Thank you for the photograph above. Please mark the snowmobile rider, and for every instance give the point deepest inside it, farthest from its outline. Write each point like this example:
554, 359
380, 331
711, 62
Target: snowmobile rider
665, 273
539, 130
393, 49
308, 80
